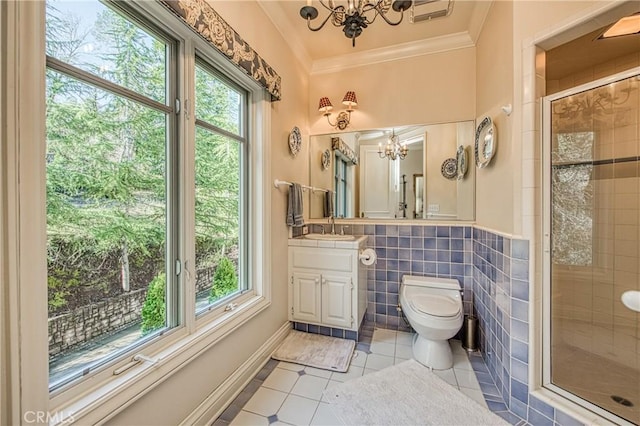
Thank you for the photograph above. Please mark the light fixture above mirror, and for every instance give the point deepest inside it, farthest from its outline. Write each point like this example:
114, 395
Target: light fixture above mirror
393, 149
344, 117
355, 15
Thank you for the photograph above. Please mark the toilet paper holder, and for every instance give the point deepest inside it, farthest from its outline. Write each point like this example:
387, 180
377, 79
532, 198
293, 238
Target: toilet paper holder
367, 256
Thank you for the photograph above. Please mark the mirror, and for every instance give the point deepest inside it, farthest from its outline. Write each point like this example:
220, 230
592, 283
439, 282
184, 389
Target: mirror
364, 183
418, 191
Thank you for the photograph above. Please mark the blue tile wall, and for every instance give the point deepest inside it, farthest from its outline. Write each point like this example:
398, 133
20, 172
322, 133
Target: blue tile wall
442, 251
493, 271
501, 303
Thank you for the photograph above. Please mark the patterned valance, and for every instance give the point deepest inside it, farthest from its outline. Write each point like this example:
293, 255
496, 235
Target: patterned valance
206, 22
339, 145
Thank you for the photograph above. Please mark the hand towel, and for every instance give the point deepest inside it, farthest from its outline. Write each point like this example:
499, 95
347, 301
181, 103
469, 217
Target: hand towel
295, 215
328, 204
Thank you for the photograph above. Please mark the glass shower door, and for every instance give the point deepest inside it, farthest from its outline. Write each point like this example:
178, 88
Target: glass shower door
593, 228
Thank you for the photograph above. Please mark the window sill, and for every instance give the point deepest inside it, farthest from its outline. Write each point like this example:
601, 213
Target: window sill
108, 399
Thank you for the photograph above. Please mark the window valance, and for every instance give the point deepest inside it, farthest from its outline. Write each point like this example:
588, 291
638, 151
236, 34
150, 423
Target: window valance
206, 22
345, 150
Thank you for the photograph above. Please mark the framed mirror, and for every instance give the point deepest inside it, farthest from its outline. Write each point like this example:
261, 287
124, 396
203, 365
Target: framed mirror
369, 177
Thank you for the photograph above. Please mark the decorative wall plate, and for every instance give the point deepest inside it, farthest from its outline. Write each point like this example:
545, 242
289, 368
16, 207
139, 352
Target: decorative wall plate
462, 161
326, 159
295, 141
485, 142
449, 168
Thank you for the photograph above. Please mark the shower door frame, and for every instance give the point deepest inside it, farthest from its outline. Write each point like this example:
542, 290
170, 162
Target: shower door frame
546, 241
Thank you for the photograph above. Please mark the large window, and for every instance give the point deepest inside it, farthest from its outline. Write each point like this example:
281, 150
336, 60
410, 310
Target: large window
110, 141
118, 197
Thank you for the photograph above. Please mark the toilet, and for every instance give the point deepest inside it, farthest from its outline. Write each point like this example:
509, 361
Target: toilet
433, 307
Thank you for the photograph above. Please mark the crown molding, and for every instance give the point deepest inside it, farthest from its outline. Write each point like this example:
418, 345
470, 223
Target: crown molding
278, 18
478, 17
429, 46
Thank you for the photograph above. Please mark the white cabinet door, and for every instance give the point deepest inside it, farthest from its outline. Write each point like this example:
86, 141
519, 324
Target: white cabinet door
306, 297
336, 300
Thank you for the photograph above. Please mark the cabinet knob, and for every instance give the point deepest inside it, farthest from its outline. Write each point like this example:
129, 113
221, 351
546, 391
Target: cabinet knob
317, 281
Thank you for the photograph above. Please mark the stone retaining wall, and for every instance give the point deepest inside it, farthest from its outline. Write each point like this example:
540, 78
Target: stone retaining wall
95, 320
109, 316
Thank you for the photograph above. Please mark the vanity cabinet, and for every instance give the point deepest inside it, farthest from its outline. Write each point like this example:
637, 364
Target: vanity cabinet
327, 285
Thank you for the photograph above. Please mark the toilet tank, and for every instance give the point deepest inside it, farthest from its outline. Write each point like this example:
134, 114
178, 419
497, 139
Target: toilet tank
431, 282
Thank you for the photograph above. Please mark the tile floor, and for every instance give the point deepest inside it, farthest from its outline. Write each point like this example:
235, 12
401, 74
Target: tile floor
285, 393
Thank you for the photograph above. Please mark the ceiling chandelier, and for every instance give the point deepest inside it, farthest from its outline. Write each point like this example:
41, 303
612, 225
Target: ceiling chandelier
393, 149
355, 15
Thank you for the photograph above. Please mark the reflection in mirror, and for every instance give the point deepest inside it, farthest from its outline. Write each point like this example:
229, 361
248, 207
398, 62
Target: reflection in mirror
364, 183
418, 190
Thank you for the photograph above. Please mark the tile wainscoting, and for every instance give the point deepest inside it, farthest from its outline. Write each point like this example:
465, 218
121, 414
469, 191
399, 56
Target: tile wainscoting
493, 271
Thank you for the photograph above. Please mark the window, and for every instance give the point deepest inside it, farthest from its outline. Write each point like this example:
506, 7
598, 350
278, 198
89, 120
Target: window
572, 196
110, 143
341, 185
220, 185
128, 164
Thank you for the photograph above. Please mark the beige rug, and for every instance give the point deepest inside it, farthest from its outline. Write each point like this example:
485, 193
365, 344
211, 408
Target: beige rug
315, 350
405, 394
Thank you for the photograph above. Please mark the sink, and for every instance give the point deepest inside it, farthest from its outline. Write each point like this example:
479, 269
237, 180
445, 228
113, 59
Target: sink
330, 237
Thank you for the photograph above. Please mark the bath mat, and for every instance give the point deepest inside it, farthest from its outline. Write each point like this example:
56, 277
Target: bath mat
405, 394
315, 350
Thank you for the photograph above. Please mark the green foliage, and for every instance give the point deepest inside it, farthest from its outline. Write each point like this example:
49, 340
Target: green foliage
154, 308
107, 161
225, 280
61, 284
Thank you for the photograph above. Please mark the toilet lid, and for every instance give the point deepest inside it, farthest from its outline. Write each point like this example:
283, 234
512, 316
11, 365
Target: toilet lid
439, 306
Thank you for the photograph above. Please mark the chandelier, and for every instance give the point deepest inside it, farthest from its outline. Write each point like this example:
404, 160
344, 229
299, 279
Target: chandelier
355, 15
393, 149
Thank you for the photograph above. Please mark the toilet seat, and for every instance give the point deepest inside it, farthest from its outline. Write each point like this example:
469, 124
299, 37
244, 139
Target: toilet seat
435, 305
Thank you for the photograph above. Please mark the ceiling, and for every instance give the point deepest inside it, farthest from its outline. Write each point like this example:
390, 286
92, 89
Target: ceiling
329, 46
330, 41
588, 51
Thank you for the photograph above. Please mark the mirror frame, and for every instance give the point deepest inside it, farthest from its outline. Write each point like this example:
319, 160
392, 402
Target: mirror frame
469, 193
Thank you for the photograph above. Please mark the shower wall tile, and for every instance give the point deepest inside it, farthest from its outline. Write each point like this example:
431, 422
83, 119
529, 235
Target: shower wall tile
501, 303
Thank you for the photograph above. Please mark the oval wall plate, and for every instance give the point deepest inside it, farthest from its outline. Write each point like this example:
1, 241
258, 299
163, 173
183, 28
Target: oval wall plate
295, 141
486, 142
462, 161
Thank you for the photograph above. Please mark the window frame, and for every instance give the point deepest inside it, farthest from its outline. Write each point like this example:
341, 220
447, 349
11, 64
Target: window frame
341, 184
243, 139
106, 394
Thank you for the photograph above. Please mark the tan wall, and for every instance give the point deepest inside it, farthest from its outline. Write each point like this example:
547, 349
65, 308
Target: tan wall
174, 399
426, 89
494, 81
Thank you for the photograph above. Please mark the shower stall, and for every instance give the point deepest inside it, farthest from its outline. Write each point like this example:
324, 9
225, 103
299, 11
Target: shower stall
592, 245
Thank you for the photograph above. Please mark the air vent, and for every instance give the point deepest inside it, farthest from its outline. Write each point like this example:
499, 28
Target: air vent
426, 10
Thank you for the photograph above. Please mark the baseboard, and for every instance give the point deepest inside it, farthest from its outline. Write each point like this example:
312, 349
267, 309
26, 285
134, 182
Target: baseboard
211, 408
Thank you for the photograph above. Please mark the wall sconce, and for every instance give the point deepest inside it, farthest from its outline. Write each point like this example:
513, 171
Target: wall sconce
343, 119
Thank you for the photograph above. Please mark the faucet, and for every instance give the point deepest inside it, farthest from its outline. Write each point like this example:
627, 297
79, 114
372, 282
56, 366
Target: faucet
332, 222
